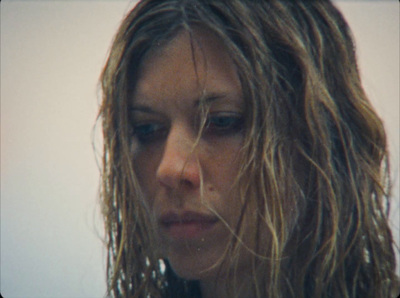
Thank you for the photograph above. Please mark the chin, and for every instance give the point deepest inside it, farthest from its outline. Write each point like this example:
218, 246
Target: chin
196, 265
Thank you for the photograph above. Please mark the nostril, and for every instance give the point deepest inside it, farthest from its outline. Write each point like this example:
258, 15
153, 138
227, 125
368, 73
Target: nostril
186, 183
179, 174
176, 172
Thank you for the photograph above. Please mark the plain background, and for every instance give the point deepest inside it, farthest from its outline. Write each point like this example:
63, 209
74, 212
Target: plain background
52, 53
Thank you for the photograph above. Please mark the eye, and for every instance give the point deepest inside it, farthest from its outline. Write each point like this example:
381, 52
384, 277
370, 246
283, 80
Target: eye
224, 123
148, 132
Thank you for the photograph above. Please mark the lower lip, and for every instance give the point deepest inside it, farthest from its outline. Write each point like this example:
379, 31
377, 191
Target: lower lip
188, 230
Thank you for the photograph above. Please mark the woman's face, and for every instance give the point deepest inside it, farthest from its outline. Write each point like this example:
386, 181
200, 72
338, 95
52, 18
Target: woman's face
187, 181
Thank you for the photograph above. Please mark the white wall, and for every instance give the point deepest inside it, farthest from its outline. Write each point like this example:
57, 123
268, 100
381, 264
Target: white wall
52, 53
51, 56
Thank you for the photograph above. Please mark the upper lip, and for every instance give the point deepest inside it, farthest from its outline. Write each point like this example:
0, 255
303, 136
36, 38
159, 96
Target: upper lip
186, 217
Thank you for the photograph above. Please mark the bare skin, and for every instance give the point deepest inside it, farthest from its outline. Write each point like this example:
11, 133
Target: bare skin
187, 182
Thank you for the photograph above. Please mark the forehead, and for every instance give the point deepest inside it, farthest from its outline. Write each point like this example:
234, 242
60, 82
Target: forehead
188, 67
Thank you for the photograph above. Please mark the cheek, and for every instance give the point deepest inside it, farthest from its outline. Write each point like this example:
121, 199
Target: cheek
145, 166
221, 177
224, 165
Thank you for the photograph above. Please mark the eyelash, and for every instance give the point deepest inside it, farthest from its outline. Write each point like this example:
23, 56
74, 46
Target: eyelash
147, 132
223, 123
218, 124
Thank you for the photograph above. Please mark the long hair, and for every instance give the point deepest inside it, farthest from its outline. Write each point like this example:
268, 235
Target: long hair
315, 161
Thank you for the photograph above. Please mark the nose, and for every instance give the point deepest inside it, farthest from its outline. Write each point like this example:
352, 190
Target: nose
179, 166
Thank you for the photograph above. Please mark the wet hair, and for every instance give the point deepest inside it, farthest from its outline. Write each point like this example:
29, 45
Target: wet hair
314, 157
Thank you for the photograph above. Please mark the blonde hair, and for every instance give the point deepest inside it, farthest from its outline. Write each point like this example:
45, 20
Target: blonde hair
315, 162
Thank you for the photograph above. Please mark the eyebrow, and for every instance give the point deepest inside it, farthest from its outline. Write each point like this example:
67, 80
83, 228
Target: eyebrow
209, 98
141, 108
203, 100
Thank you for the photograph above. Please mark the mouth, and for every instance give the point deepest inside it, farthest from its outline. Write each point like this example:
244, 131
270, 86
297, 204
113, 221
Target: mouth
187, 225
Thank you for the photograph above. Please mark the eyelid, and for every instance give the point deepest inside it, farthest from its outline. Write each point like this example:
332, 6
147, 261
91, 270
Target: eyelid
141, 109
223, 123
224, 114
148, 131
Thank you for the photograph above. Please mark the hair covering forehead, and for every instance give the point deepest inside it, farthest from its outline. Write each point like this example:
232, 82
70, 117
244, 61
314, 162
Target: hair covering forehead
296, 63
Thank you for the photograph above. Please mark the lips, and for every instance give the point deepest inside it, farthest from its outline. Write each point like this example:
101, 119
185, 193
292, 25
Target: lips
187, 225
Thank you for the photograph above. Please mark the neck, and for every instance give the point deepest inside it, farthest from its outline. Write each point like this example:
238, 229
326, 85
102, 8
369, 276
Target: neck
221, 288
